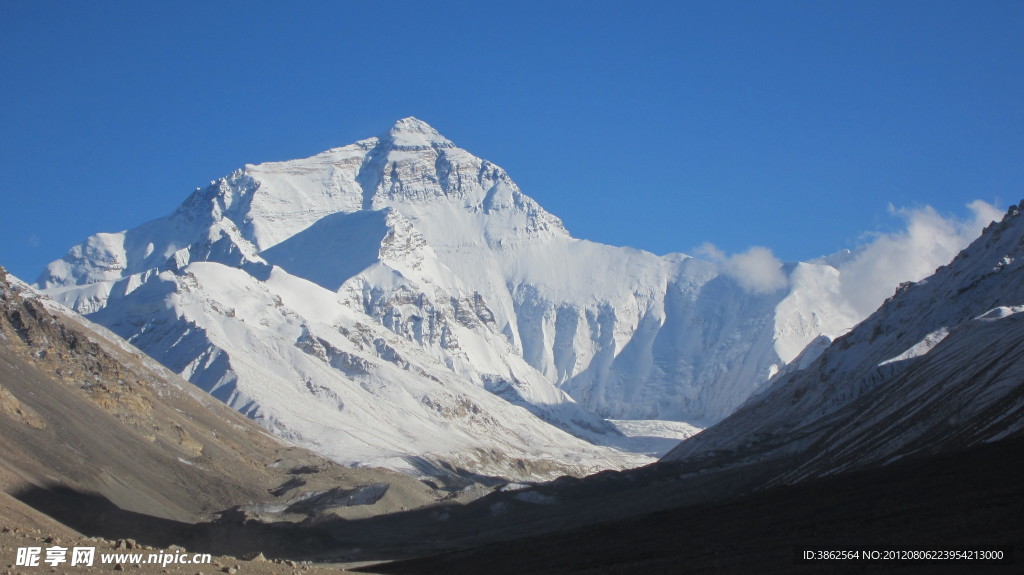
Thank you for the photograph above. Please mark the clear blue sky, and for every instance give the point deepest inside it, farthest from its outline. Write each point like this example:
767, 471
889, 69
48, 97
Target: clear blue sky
659, 125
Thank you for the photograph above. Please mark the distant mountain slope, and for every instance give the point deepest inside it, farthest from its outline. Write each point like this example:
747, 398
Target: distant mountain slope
939, 367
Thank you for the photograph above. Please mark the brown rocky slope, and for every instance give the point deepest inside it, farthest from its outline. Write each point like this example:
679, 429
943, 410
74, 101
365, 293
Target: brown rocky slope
96, 439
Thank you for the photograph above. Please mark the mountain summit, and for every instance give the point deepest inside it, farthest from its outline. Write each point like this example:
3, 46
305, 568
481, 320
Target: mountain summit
414, 134
398, 301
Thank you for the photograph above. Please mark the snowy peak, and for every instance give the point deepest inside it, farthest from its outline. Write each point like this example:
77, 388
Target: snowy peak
453, 198
372, 273
451, 195
412, 134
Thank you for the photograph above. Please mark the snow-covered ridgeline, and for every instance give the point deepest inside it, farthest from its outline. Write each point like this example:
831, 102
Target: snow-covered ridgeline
407, 261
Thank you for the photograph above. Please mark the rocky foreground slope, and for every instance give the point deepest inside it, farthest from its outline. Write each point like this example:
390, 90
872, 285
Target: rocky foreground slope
97, 436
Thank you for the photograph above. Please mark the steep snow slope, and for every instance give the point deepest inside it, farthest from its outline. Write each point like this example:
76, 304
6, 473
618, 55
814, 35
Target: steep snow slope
337, 383
939, 366
401, 263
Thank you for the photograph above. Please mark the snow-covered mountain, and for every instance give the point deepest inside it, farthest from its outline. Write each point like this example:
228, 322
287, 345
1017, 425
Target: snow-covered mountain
937, 368
399, 297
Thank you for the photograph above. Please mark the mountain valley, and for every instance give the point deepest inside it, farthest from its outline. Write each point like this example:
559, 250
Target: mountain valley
386, 357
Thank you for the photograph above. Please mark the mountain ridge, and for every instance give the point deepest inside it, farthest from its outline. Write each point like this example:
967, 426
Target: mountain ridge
936, 367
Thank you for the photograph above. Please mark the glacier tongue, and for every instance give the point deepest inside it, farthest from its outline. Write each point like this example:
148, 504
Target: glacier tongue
400, 297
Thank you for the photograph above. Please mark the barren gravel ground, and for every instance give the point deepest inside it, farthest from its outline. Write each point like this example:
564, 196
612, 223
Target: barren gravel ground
23, 526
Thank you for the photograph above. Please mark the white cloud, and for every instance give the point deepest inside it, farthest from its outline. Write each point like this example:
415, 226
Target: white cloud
757, 270
929, 240
710, 251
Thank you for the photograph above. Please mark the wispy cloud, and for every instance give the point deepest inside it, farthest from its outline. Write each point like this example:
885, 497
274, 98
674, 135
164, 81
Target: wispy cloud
756, 270
927, 241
